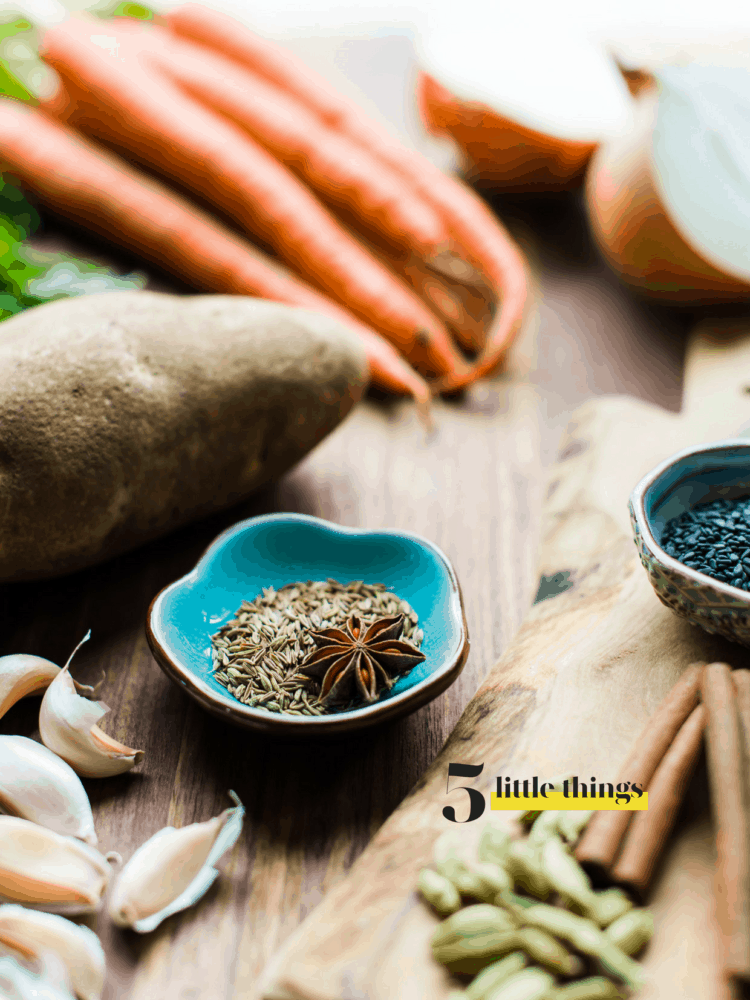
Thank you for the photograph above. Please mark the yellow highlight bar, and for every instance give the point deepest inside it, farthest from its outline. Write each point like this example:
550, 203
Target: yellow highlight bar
557, 800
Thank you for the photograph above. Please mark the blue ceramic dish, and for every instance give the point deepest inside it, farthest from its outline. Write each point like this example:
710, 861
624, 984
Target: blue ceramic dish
692, 477
279, 548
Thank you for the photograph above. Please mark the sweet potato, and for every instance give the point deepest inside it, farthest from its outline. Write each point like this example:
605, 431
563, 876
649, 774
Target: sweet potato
128, 414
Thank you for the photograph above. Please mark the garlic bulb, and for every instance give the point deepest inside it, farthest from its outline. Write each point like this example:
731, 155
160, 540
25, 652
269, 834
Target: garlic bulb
43, 869
22, 675
172, 870
67, 725
37, 785
32, 932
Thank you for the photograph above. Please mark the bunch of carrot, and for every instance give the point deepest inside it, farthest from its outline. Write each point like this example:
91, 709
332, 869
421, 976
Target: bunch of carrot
350, 222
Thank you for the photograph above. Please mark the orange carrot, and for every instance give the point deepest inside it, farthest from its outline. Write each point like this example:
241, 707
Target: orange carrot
338, 169
331, 163
94, 188
130, 103
476, 232
222, 33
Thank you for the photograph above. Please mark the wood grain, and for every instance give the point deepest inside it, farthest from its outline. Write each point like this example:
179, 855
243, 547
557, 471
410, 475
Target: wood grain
574, 689
476, 490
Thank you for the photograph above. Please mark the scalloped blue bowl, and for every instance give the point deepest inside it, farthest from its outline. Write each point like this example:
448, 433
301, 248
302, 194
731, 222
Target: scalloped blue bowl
276, 549
688, 479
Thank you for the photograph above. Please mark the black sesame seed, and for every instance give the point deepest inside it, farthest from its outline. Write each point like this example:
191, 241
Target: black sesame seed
713, 538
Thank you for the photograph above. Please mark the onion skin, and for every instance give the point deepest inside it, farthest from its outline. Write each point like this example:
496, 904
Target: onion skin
634, 231
501, 152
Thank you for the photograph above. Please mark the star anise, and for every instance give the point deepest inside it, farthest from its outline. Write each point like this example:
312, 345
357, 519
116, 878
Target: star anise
354, 663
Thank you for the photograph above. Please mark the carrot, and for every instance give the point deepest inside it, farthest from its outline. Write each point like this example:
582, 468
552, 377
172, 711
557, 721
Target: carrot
339, 170
138, 108
222, 33
94, 188
454, 289
331, 163
476, 232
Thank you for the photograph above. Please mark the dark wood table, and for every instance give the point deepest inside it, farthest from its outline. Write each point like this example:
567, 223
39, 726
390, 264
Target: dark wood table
474, 488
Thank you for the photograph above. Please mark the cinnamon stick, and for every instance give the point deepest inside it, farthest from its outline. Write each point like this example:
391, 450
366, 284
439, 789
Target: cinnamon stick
726, 770
741, 681
649, 830
600, 843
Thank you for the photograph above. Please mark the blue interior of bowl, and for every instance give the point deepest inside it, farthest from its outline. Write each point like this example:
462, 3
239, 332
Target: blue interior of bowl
281, 548
719, 473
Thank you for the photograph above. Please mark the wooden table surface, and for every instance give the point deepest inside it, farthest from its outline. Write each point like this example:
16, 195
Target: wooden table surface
474, 488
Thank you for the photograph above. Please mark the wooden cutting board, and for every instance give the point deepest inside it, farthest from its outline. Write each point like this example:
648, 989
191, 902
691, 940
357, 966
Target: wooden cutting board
571, 693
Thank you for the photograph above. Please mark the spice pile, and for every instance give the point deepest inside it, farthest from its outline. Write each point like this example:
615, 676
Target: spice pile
263, 654
509, 922
514, 944
714, 539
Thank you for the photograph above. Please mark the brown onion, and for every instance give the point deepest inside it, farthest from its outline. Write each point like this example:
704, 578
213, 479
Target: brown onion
499, 151
633, 227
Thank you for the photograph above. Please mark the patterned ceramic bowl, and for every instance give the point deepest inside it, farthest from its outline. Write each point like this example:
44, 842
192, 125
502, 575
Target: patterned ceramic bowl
718, 471
279, 548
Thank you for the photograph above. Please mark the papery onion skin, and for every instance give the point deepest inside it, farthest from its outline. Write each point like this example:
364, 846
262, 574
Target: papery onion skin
502, 153
634, 231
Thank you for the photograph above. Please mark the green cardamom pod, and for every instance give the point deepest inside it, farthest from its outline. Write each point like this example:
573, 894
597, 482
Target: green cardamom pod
453, 867
587, 938
493, 975
565, 875
439, 892
494, 845
571, 823
593, 988
473, 922
546, 950
631, 932
523, 864
530, 984
467, 956
608, 905
614, 961
484, 882
544, 826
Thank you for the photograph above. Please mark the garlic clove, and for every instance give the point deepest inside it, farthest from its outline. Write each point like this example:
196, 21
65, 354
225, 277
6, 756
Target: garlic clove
33, 933
18, 983
67, 725
41, 868
173, 870
35, 784
22, 675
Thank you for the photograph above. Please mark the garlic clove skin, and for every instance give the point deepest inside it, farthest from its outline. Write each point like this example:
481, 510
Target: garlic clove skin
21, 675
35, 784
172, 870
67, 725
33, 933
42, 869
18, 983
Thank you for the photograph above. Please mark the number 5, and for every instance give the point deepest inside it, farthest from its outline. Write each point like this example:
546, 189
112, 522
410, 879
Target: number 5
475, 796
